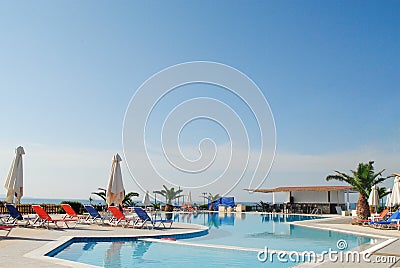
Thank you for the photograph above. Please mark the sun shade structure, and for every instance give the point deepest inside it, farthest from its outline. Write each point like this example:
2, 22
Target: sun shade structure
146, 199
388, 202
373, 199
301, 189
395, 200
15, 179
189, 199
115, 190
328, 196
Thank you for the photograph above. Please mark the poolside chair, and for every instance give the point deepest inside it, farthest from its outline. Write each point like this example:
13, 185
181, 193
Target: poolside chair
71, 213
119, 217
44, 219
146, 220
15, 216
379, 216
94, 215
387, 223
6, 228
374, 218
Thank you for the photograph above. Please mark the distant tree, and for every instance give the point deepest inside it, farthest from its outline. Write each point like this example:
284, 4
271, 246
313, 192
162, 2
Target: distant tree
212, 199
169, 194
127, 202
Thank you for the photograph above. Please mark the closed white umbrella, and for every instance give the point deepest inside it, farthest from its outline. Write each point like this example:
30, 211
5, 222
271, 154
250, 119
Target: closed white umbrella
373, 199
396, 192
388, 202
15, 179
146, 199
115, 190
189, 199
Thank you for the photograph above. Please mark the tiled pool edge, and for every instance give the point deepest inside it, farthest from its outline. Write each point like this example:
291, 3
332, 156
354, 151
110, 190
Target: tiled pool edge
42, 253
370, 249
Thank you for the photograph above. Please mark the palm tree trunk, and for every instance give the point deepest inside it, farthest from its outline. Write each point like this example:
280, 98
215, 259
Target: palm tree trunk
169, 208
363, 211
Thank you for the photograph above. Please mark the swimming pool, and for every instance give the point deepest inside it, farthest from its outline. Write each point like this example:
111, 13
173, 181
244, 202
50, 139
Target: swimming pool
248, 232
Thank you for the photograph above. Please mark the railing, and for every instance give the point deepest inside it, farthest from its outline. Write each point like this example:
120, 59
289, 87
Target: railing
50, 208
27, 209
316, 211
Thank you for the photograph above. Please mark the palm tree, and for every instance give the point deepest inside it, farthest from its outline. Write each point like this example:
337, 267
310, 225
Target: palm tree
169, 194
127, 202
212, 198
362, 180
383, 191
101, 193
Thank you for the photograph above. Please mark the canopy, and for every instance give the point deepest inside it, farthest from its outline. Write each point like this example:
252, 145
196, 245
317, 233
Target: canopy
226, 201
189, 199
396, 192
146, 199
15, 179
388, 202
115, 190
373, 199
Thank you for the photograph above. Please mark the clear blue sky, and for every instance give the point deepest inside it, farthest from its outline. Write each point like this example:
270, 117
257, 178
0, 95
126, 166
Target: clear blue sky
330, 71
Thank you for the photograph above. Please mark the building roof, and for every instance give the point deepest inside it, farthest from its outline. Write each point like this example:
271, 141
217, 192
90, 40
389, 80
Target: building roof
302, 189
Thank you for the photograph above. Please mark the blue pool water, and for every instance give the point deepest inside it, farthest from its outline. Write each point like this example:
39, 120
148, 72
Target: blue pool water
253, 231
267, 230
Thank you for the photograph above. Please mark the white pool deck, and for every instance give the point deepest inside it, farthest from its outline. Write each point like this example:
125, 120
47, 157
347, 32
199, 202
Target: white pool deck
25, 247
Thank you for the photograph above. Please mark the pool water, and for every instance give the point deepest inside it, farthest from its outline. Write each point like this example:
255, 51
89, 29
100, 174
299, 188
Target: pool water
150, 254
267, 230
250, 231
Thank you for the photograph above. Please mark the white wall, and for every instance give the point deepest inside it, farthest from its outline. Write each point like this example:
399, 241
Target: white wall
318, 197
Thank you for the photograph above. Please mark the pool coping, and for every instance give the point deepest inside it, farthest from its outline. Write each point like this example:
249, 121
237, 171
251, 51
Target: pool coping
42, 253
387, 240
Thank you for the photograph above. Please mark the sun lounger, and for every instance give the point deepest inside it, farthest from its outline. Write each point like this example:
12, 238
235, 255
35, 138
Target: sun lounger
375, 218
390, 222
6, 228
119, 217
44, 219
146, 220
16, 217
94, 215
71, 213
380, 216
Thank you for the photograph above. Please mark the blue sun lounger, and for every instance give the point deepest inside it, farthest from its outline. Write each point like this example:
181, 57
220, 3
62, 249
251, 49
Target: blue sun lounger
15, 216
391, 220
145, 219
94, 215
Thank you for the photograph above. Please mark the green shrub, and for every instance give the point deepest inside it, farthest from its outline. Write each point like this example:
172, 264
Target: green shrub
379, 209
77, 206
203, 206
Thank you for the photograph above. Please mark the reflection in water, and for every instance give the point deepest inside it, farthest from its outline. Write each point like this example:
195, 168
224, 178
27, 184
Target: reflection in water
112, 256
209, 219
139, 249
89, 246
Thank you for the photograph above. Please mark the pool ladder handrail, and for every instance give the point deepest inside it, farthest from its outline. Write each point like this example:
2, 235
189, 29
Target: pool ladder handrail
315, 211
